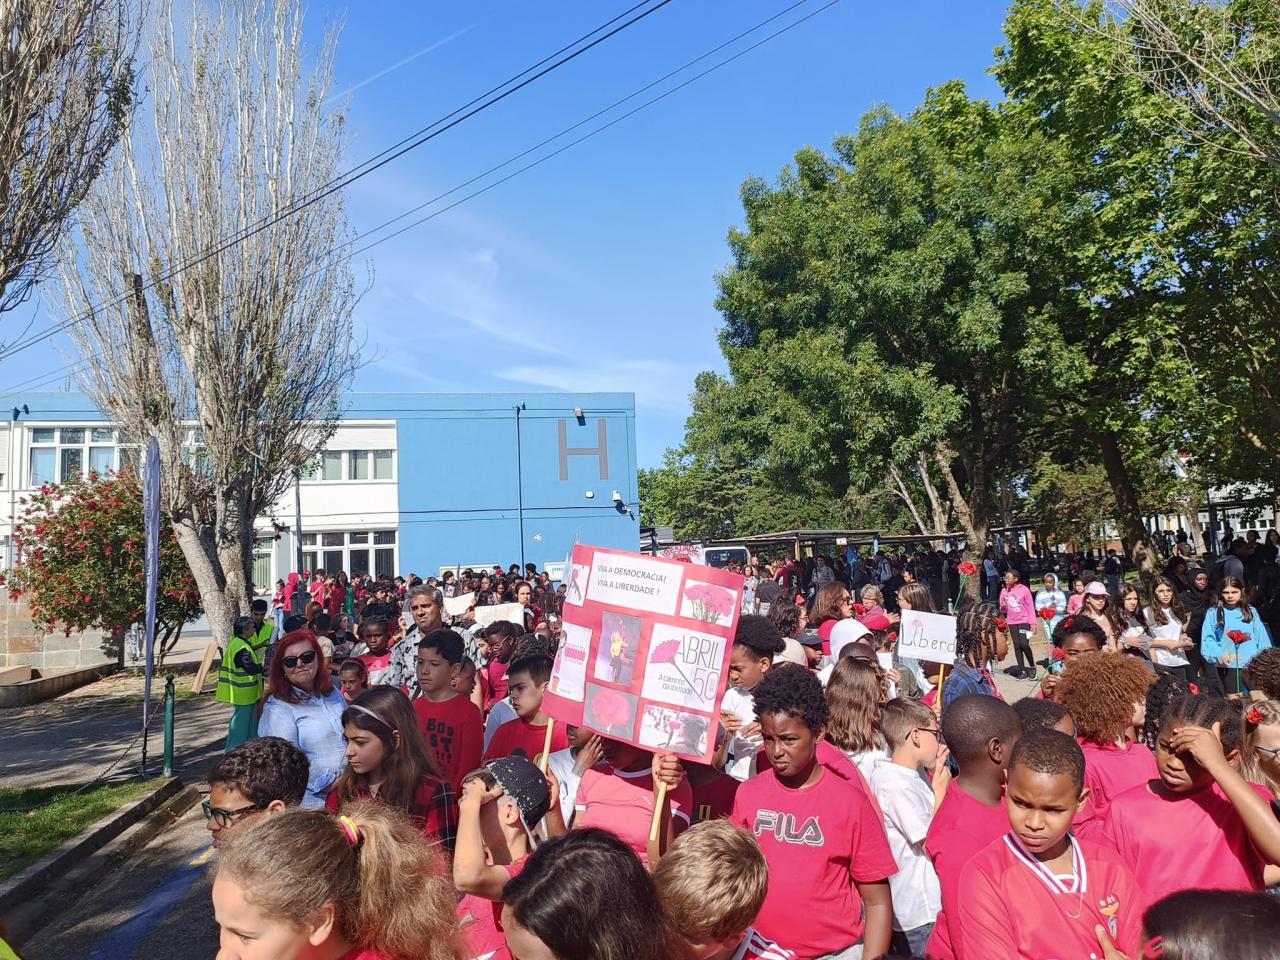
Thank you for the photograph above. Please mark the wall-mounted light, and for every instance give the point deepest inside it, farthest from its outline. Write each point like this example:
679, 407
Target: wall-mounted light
590, 494
581, 417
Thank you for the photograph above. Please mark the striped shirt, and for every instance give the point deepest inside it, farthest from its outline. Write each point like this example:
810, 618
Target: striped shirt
756, 947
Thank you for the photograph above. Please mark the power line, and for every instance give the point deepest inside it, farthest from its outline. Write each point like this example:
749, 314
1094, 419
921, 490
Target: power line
600, 129
397, 150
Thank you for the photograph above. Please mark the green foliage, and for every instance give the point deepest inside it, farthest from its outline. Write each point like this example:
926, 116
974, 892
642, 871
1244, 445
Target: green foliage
81, 549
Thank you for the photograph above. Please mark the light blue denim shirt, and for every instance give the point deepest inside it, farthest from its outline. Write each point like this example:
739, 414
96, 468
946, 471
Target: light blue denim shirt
313, 725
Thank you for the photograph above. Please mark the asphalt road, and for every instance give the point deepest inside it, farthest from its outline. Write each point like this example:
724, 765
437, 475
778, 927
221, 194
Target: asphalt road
157, 907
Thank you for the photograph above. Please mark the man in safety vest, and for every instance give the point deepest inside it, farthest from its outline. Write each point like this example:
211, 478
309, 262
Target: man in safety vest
240, 679
263, 630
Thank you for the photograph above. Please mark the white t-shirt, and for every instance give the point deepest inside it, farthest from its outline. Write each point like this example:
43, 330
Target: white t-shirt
742, 751
561, 763
1172, 630
866, 760
499, 713
907, 803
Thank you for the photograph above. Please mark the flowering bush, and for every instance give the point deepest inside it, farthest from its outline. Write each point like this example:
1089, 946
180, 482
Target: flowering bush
81, 551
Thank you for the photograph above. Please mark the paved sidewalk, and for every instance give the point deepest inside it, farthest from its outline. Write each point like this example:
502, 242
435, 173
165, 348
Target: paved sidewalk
71, 740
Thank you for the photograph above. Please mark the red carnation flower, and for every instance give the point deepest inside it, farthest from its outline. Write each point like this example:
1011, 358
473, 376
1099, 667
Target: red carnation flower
1237, 636
859, 608
1068, 623
1002, 623
1057, 653
893, 636
1048, 613
1194, 688
1254, 717
968, 568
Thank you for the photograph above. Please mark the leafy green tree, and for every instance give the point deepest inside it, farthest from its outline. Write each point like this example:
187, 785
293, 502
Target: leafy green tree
879, 299
81, 552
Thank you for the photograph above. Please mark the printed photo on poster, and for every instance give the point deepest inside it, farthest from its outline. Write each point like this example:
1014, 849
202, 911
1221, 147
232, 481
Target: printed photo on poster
575, 588
663, 728
569, 676
639, 583
610, 713
707, 602
684, 667
619, 644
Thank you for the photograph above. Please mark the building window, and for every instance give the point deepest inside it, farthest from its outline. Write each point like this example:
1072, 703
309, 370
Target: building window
382, 464
262, 547
350, 551
59, 455
353, 465
359, 465
331, 465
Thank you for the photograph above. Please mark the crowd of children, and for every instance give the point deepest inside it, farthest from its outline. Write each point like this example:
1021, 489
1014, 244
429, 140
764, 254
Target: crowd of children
855, 806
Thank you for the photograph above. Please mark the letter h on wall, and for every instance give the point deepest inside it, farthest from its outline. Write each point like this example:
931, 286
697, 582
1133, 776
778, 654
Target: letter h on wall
601, 452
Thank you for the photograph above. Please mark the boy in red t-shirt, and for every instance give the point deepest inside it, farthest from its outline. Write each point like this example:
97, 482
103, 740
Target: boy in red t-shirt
502, 803
527, 684
820, 834
980, 732
1038, 891
453, 725
712, 882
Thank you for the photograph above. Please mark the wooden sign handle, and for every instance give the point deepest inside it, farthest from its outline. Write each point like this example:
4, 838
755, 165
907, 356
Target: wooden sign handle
546, 747
658, 800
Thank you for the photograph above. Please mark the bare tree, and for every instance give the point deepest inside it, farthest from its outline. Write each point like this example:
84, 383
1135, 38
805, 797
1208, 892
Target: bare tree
66, 82
250, 342
1218, 61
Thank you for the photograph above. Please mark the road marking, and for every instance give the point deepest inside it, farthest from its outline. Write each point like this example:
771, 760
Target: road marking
125, 939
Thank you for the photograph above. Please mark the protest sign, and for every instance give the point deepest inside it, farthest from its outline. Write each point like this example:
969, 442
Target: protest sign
494, 612
457, 606
684, 552
927, 636
644, 650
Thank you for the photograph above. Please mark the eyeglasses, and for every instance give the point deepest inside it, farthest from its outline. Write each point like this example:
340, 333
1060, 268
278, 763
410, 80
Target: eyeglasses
936, 731
1272, 752
303, 658
223, 817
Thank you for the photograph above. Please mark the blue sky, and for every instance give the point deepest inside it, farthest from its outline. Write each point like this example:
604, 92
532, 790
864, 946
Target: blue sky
595, 270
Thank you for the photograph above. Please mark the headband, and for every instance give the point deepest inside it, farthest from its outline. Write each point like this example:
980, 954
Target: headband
356, 706
352, 832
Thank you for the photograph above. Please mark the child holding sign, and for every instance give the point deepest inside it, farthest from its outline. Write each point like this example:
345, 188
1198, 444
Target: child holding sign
619, 796
818, 831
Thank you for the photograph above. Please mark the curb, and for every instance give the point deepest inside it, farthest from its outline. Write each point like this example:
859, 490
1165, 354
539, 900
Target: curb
26, 885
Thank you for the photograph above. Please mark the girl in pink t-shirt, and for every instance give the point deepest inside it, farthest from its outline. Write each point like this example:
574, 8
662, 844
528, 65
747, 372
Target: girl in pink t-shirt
1199, 825
291, 868
1106, 695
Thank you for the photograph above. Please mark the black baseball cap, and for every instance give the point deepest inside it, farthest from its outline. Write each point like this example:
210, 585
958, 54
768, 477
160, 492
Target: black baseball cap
524, 783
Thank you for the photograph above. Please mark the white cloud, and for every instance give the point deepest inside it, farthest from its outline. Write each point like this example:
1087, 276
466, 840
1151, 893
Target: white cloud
657, 384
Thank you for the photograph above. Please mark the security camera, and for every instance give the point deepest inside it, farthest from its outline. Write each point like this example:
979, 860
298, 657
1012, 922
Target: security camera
617, 497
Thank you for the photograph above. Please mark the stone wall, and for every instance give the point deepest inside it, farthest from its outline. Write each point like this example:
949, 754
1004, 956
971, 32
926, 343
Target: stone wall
25, 643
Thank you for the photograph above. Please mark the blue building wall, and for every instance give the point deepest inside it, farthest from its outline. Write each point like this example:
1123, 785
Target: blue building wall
471, 466
469, 470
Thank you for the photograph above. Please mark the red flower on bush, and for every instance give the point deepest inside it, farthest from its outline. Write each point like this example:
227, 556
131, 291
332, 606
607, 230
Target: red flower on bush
968, 568
1237, 636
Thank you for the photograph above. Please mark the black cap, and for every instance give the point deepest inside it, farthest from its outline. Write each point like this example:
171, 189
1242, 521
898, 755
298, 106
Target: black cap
809, 639
524, 783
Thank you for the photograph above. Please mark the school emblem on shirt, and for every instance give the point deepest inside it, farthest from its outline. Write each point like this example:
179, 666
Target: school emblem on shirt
787, 829
1109, 906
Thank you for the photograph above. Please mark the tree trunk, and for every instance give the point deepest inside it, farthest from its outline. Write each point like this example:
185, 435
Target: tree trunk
1135, 532
971, 513
941, 521
900, 487
202, 558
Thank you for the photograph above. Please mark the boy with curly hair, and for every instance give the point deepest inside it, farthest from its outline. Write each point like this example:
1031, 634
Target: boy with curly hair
1263, 674
817, 830
256, 779
1106, 695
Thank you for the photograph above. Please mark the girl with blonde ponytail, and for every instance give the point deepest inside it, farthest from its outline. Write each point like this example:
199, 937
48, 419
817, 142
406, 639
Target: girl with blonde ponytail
308, 885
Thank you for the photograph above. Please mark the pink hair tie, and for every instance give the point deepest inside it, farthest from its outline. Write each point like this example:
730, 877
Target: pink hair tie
350, 830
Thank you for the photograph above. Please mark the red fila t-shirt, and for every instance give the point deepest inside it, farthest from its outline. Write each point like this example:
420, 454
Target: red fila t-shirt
714, 800
454, 729
1192, 841
1016, 909
823, 840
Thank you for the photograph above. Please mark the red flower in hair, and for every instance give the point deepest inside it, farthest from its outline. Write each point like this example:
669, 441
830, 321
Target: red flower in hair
1057, 653
1254, 717
968, 568
1048, 613
893, 636
800, 600
1237, 636
859, 608
1194, 688
1068, 623
1002, 623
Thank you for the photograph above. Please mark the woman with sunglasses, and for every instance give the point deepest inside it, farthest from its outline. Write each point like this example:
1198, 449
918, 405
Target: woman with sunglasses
304, 708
